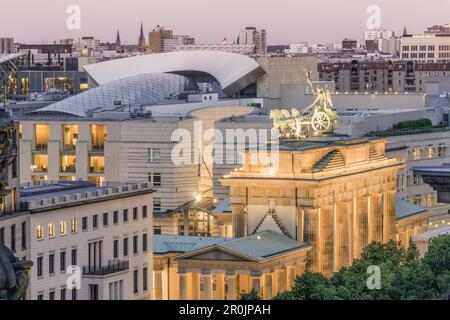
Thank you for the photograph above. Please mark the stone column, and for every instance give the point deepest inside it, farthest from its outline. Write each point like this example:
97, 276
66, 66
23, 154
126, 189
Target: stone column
206, 280
281, 280
256, 282
220, 286
290, 275
300, 268
195, 278
231, 284
183, 284
158, 285
300, 224
268, 286
311, 235
388, 216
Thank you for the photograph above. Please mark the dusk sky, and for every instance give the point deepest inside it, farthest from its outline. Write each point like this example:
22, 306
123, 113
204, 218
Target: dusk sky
209, 21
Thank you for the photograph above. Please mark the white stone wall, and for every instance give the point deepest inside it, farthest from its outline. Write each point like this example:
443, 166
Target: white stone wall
79, 240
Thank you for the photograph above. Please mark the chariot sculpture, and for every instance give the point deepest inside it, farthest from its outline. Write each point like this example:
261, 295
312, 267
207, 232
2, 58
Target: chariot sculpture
317, 119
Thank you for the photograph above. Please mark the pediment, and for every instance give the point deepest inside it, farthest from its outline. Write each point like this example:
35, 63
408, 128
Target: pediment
214, 254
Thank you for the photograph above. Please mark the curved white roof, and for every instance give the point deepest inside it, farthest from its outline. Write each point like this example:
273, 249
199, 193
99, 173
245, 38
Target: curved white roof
144, 88
233, 71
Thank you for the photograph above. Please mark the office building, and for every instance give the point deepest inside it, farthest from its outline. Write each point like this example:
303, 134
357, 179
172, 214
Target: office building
381, 76
104, 233
164, 40
253, 36
426, 48
7, 45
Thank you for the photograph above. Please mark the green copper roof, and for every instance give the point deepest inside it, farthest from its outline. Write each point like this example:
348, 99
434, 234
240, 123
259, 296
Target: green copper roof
263, 245
164, 244
404, 209
260, 246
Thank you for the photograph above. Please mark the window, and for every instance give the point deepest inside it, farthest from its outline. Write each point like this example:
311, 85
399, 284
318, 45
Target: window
135, 213
51, 295
156, 204
40, 296
125, 247
51, 263
63, 228
442, 150
74, 294
430, 151
97, 164
24, 235
416, 153
105, 218
155, 179
416, 179
116, 249
135, 281
51, 230
116, 217
74, 257
135, 244
2, 235
93, 292
63, 293
430, 199
84, 223
144, 212
62, 261
74, 225
13, 238
145, 279
125, 215
40, 265
95, 221
144, 242
154, 155
417, 200
157, 230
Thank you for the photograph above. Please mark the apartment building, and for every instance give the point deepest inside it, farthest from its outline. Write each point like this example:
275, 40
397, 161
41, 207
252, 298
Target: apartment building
425, 48
382, 76
99, 237
426, 149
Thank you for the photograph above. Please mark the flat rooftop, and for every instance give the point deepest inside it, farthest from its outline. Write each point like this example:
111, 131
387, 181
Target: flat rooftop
50, 195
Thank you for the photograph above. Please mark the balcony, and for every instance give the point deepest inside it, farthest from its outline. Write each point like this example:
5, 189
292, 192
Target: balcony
41, 147
69, 147
111, 268
69, 168
98, 148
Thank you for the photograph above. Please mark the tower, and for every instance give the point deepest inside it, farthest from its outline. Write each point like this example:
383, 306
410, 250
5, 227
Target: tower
142, 39
118, 42
405, 33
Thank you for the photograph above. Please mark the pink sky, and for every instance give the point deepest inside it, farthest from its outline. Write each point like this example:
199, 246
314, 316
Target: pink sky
209, 21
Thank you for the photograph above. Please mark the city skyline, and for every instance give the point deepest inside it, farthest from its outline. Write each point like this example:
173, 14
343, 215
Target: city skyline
48, 20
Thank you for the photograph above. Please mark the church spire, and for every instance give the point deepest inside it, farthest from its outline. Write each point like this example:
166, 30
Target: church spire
118, 42
405, 33
142, 39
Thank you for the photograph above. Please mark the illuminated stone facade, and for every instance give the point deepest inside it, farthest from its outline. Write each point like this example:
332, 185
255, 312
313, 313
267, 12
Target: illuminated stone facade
335, 193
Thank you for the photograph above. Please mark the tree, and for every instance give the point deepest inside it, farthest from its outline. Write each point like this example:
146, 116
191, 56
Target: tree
286, 295
252, 295
403, 275
438, 254
313, 286
414, 281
